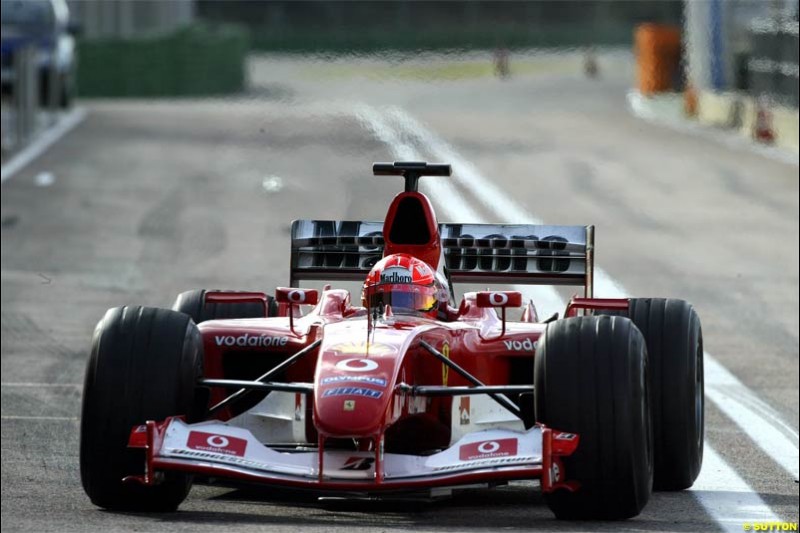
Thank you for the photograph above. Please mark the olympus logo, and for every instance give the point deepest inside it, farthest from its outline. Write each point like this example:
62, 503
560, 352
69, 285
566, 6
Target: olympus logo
250, 341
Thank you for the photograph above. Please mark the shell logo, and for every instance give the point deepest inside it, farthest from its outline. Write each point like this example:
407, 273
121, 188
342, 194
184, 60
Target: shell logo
363, 348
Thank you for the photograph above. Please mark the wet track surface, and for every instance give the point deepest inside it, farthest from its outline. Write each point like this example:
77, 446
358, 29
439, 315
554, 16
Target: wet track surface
151, 199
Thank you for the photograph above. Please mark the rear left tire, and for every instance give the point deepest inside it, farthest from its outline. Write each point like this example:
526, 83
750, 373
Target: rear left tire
193, 304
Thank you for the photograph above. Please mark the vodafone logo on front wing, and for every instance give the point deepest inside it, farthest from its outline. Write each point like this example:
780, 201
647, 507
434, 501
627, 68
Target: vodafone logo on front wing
214, 443
488, 449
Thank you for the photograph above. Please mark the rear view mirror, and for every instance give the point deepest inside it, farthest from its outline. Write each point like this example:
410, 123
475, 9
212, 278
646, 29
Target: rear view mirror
499, 299
502, 300
292, 296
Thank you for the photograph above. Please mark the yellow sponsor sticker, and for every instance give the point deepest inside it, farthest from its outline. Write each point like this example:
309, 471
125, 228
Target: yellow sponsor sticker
769, 526
445, 368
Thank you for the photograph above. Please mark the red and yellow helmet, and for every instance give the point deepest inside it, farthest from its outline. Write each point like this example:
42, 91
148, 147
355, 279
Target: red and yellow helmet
405, 283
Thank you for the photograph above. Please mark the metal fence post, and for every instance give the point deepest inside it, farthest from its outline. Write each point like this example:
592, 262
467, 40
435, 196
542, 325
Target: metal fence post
26, 93
53, 88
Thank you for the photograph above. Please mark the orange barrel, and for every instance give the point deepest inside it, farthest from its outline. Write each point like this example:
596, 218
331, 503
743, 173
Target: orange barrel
658, 56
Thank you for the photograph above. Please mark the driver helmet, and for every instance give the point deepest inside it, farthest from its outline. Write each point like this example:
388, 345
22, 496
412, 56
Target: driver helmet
407, 284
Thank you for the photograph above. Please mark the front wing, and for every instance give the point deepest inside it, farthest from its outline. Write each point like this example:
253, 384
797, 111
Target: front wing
217, 450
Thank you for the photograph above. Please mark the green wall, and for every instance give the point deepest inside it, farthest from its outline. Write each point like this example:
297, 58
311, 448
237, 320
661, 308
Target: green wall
194, 61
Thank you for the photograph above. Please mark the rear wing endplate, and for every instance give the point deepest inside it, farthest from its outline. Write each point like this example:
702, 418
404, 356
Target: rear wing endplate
330, 250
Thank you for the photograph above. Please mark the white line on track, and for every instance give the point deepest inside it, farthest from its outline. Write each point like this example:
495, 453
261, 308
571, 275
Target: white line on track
374, 120
719, 489
726, 497
30, 384
42, 418
41, 144
775, 437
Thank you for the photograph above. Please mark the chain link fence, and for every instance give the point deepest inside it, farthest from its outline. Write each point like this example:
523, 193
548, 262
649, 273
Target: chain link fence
765, 40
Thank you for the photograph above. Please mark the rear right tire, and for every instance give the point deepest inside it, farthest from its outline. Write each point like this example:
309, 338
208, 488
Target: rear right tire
674, 337
590, 376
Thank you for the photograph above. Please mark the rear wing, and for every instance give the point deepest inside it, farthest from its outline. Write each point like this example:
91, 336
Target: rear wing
331, 250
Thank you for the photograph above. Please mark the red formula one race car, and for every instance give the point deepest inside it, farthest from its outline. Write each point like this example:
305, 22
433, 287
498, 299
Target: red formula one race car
406, 393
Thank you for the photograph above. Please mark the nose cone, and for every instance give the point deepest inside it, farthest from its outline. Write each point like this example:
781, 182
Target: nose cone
354, 387
351, 410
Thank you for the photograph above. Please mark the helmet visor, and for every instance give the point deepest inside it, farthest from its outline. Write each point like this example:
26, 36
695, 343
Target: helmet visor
409, 298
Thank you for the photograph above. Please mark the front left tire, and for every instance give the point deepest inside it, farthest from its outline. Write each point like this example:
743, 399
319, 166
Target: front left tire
144, 365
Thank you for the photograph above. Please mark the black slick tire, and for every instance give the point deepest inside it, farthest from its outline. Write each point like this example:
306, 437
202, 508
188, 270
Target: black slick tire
144, 365
674, 337
193, 304
590, 376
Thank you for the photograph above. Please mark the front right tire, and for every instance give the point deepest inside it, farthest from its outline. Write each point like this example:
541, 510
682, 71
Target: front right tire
674, 338
590, 378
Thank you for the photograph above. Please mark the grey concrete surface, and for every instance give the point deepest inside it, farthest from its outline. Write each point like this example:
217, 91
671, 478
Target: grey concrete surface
153, 198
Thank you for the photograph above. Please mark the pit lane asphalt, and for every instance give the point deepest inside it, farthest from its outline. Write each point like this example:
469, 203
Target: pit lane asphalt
152, 198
